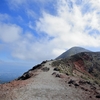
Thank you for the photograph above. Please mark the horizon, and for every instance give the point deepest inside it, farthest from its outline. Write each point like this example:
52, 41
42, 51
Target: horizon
37, 30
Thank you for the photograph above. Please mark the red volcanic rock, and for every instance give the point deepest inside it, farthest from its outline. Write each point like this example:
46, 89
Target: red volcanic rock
79, 65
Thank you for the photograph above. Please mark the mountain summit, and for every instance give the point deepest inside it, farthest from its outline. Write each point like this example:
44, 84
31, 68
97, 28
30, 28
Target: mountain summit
72, 51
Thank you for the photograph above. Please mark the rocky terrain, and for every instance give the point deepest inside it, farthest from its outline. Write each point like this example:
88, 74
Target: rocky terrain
73, 78
85, 65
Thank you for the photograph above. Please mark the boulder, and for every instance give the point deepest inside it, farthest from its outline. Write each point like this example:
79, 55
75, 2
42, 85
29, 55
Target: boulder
45, 69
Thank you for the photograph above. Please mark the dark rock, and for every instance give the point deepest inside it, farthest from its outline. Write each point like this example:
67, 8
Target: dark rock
57, 75
98, 96
36, 67
84, 89
71, 82
44, 62
82, 82
67, 74
76, 84
25, 76
45, 69
56, 69
88, 82
93, 87
70, 85
90, 96
54, 73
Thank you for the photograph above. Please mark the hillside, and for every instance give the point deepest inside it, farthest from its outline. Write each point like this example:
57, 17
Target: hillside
76, 77
72, 51
46, 81
85, 65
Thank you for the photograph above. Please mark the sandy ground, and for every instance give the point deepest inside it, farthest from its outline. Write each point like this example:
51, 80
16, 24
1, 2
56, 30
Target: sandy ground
46, 86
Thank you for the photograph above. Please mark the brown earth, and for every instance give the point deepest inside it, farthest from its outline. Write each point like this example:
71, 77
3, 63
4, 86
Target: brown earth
44, 83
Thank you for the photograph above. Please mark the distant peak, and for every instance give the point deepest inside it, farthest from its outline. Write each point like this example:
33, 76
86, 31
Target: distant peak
72, 51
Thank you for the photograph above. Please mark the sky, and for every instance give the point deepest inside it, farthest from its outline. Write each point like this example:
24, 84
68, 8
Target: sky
35, 30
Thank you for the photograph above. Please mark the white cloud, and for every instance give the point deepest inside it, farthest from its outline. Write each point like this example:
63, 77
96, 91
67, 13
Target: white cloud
9, 32
24, 46
69, 26
55, 33
20, 19
30, 25
31, 13
95, 4
4, 17
13, 4
29, 50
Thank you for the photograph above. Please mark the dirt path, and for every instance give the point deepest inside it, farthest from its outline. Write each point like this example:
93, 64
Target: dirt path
43, 87
46, 86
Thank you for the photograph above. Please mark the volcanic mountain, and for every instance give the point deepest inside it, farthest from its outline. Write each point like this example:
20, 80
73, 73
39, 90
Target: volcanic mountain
76, 77
72, 51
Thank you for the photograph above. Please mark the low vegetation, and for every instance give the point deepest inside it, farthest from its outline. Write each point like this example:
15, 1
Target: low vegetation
86, 65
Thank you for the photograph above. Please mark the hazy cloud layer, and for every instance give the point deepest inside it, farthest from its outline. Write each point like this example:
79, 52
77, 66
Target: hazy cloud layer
74, 23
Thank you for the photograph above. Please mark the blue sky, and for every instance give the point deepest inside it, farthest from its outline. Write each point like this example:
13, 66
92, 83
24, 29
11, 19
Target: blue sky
36, 30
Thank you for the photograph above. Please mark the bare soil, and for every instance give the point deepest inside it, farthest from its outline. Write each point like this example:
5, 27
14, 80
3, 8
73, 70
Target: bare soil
49, 85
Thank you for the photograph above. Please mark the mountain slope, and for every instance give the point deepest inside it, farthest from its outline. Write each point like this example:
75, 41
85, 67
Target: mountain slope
45, 82
85, 64
74, 78
72, 51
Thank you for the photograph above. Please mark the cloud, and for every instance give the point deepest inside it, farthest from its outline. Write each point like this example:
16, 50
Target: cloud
31, 13
32, 48
4, 17
9, 32
71, 25
23, 46
13, 4
20, 19
95, 4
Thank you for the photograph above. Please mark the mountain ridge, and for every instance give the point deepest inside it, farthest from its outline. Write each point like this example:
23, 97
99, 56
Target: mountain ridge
76, 77
72, 51
87, 63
